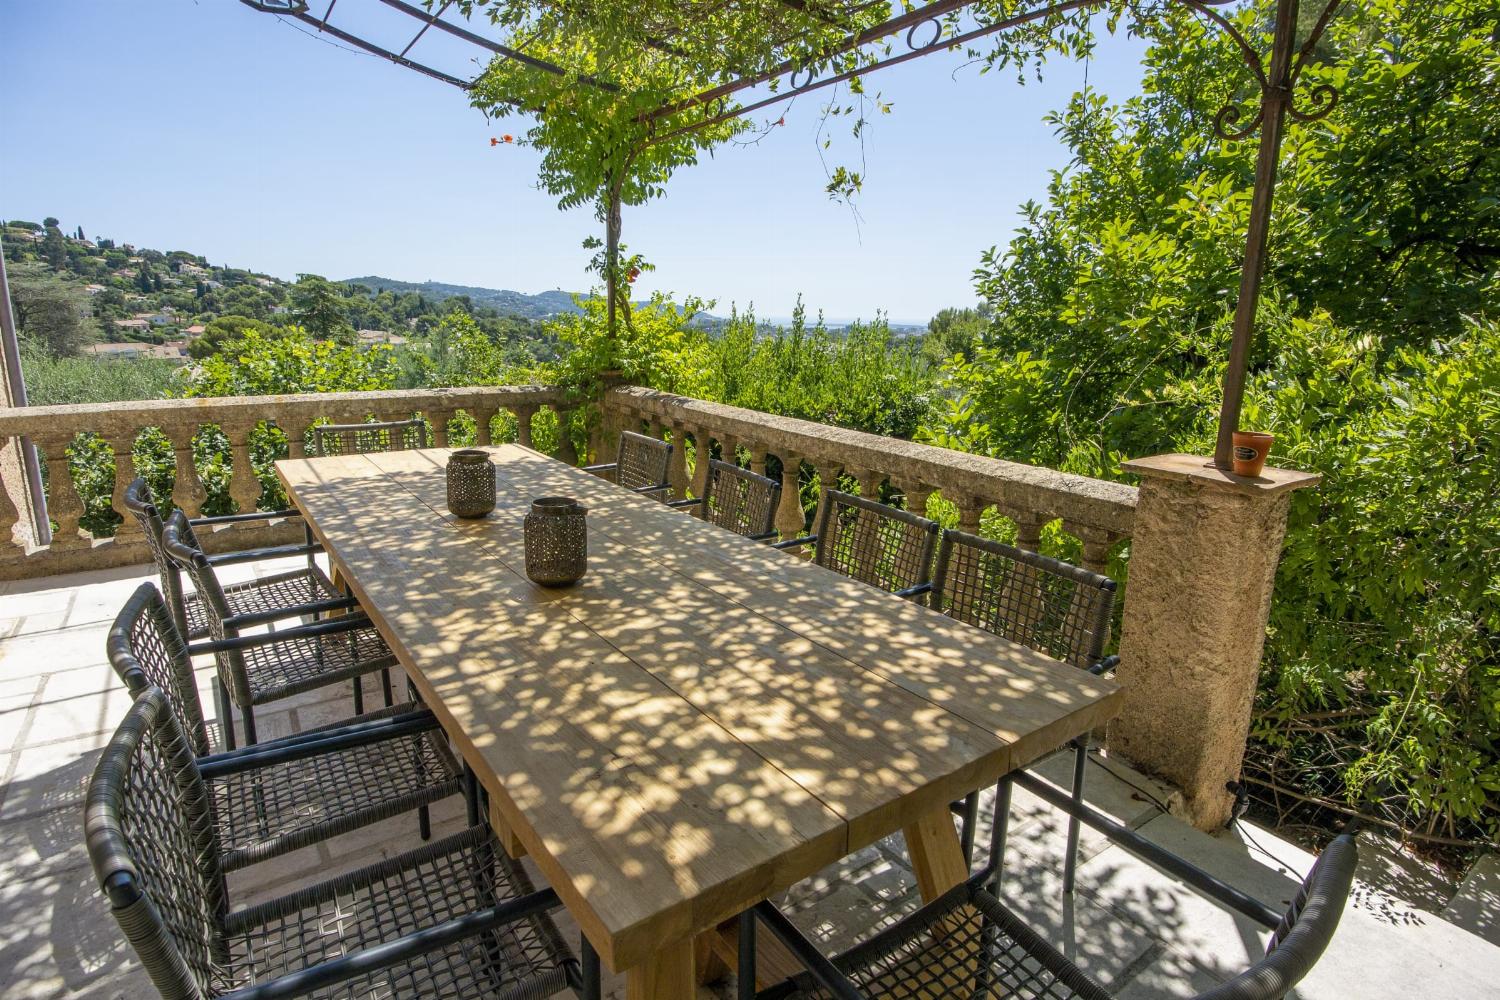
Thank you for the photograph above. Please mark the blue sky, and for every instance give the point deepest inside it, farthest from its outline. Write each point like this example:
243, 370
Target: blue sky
205, 126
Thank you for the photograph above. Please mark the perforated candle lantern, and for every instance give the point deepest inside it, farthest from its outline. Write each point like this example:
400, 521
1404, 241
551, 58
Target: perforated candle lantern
471, 483
557, 544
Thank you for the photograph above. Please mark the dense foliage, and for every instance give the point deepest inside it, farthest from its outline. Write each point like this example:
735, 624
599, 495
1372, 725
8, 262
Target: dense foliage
1374, 365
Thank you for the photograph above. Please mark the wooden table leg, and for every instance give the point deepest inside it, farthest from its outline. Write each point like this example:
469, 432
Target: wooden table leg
666, 975
937, 858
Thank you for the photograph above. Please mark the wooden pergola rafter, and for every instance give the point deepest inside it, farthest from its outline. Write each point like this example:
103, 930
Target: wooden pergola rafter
924, 29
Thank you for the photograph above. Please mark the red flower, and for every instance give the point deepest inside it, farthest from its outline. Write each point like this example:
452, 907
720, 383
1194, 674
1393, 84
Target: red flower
781, 120
508, 138
635, 272
503, 138
494, 141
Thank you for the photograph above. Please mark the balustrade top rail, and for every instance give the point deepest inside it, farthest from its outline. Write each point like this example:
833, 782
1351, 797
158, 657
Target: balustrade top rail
1078, 500
109, 419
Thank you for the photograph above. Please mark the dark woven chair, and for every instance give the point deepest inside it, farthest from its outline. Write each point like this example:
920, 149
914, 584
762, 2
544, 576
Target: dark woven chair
265, 667
455, 919
640, 464
738, 499
1049, 605
967, 943
357, 439
389, 762
883, 546
265, 594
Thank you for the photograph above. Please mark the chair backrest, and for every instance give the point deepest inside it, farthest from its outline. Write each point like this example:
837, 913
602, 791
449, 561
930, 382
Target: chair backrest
146, 650
642, 461
154, 846
183, 548
139, 502
356, 439
883, 546
740, 500
1052, 606
1304, 932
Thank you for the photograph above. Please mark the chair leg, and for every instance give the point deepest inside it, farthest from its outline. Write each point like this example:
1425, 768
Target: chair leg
590, 987
997, 834
424, 822
745, 966
385, 687
471, 795
359, 696
970, 826
1070, 862
247, 715
226, 714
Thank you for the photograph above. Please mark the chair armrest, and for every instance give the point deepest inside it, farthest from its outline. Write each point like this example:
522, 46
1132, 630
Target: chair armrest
255, 555
254, 515
606, 467
792, 543
651, 489
347, 623
383, 956
290, 611
914, 591
821, 969
1105, 666
260, 755
764, 536
685, 503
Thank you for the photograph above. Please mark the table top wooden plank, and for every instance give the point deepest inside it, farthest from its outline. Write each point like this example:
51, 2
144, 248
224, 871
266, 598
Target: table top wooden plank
694, 679
644, 813
869, 749
1026, 698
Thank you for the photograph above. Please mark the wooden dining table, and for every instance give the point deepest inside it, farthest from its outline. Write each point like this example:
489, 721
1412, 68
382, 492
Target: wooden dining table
699, 723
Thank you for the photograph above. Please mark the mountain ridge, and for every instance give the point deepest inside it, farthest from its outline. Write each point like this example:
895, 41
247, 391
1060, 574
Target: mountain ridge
532, 306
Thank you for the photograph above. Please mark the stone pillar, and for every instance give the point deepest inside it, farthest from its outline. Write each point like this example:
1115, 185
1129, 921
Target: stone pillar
702, 455
566, 452
63, 504
244, 488
129, 528
483, 433
295, 430
1203, 557
789, 518
677, 471
757, 460
439, 420
187, 489
523, 424
916, 494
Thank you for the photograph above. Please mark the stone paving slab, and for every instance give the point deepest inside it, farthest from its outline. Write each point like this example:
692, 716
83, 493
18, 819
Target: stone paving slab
1140, 933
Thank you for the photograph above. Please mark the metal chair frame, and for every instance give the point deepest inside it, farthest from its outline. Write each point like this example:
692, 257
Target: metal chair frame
356, 439
299, 653
1046, 604
1299, 935
905, 570
366, 769
640, 464
742, 501
456, 915
188, 611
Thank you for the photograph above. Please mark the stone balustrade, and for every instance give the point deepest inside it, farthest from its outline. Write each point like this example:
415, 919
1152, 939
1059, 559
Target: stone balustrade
55, 429
1098, 513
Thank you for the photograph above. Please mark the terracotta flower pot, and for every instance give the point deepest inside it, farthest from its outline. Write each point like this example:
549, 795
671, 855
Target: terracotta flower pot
1250, 451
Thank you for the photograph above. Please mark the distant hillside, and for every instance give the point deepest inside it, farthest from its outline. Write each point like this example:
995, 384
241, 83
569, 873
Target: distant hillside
502, 300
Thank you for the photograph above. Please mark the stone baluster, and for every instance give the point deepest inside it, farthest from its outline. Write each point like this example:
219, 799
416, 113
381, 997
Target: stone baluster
484, 434
439, 420
129, 529
566, 452
677, 473
1028, 529
702, 452
63, 505
959, 599
1096, 545
866, 550
11, 544
187, 489
244, 488
523, 424
729, 449
295, 429
757, 460
916, 494
789, 517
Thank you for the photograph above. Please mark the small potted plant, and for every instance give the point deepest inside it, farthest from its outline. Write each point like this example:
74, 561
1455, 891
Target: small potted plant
1250, 451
